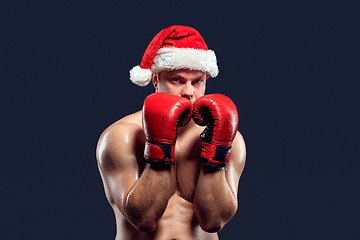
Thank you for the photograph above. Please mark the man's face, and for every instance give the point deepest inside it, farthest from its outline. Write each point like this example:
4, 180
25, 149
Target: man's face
184, 83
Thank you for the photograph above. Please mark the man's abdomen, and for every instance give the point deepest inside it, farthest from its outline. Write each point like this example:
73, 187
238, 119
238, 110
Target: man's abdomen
179, 222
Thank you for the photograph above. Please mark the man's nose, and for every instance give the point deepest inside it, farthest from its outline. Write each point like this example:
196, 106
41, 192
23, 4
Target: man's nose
188, 90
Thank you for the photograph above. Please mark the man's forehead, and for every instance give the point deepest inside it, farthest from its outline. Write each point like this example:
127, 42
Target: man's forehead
181, 72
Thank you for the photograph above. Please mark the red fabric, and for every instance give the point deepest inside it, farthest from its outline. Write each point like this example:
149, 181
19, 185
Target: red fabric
173, 36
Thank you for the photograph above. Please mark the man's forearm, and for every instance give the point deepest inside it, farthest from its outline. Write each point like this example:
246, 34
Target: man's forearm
148, 198
214, 203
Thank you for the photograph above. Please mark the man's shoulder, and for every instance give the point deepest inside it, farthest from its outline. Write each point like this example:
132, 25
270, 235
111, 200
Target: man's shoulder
128, 124
121, 136
134, 119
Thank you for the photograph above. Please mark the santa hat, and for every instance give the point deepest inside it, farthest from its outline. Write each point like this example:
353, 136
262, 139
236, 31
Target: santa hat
175, 47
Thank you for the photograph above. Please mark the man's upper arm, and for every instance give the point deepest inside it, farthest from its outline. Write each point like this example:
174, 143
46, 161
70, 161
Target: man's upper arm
116, 155
236, 163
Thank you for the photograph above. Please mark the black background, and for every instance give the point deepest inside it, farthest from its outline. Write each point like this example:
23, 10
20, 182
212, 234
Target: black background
291, 67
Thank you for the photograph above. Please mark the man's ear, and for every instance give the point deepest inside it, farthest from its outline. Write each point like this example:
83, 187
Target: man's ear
155, 81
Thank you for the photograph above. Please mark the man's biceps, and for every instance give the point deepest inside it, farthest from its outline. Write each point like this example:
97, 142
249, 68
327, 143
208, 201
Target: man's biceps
121, 167
121, 180
238, 153
116, 159
235, 167
118, 170
236, 164
119, 183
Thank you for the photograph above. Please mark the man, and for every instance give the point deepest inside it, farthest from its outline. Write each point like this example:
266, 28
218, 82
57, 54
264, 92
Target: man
161, 178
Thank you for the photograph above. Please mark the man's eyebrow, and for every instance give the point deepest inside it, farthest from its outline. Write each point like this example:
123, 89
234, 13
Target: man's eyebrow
175, 75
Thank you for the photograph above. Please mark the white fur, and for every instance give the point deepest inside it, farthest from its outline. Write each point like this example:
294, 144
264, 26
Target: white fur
176, 58
140, 76
188, 58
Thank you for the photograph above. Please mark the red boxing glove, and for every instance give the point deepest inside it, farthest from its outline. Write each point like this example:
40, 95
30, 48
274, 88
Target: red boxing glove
219, 114
163, 113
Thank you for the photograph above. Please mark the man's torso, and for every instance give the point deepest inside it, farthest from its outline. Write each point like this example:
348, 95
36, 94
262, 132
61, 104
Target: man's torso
179, 220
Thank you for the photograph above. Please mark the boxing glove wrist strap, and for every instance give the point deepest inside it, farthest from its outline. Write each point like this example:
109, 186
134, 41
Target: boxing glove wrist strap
159, 153
216, 156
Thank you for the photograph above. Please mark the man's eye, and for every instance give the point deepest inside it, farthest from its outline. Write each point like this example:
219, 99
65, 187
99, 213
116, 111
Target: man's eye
198, 81
176, 79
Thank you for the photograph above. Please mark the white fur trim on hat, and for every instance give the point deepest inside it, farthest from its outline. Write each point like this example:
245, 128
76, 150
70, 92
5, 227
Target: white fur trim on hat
140, 76
188, 58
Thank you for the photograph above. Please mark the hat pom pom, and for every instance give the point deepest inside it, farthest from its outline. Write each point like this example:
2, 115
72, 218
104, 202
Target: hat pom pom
140, 76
